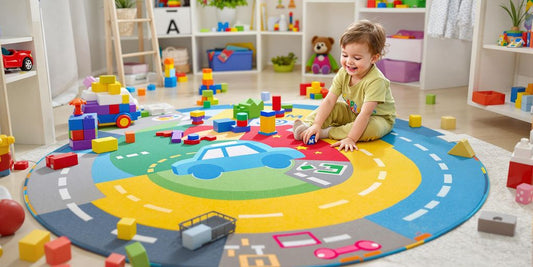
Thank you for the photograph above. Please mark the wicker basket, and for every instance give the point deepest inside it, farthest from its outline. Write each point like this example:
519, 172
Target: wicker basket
180, 56
126, 28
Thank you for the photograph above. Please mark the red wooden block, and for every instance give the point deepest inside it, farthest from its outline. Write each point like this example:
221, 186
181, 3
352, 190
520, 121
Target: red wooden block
60, 161
77, 135
197, 122
519, 173
209, 138
57, 251
164, 133
114, 109
130, 137
242, 123
276, 102
115, 260
191, 142
324, 92
20, 165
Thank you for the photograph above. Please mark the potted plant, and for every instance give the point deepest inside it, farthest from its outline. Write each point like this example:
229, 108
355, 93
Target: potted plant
517, 15
225, 8
284, 63
126, 9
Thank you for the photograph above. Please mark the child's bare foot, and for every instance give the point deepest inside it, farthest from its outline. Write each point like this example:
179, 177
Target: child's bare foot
298, 128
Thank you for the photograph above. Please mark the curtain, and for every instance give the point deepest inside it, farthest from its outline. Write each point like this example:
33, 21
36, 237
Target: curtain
74, 37
452, 19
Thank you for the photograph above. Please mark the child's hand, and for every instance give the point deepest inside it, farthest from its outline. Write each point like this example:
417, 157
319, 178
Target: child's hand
313, 130
346, 144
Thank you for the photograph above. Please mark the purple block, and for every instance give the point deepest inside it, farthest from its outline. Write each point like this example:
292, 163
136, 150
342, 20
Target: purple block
133, 108
89, 121
197, 119
176, 137
88, 81
95, 108
89, 134
80, 144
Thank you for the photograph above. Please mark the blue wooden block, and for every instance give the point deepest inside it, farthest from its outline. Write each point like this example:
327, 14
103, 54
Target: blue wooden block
223, 125
515, 90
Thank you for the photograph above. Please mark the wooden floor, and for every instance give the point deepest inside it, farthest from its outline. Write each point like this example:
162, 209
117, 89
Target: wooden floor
499, 130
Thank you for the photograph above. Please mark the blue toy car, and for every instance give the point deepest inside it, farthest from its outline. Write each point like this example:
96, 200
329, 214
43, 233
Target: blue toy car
212, 160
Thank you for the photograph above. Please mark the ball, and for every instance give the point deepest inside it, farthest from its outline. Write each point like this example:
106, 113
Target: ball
11, 216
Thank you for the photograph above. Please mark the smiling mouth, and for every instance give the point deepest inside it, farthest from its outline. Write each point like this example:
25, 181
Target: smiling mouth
351, 68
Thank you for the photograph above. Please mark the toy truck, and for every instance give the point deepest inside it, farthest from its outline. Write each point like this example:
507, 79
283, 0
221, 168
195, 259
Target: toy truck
113, 104
205, 228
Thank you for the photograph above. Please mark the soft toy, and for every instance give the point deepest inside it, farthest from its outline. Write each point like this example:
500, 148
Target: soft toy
321, 61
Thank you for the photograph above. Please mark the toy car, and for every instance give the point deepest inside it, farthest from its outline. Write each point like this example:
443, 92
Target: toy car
210, 161
17, 59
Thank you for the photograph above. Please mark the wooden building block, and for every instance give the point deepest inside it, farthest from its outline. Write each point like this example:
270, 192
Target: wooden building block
126, 228
496, 223
415, 120
137, 255
104, 144
58, 251
31, 247
447, 122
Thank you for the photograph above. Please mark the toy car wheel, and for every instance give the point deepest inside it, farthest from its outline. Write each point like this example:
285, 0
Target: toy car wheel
206, 171
123, 121
277, 161
26, 64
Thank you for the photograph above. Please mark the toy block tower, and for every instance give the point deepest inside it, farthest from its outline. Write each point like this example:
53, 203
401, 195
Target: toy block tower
276, 106
267, 122
197, 117
521, 164
314, 91
5, 155
207, 99
242, 123
170, 73
82, 127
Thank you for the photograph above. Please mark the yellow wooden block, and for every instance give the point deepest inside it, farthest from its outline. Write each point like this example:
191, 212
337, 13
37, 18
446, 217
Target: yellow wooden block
197, 113
98, 87
126, 228
105, 144
415, 120
125, 99
214, 101
1, 251
529, 88
207, 76
169, 66
518, 101
462, 149
108, 79
267, 124
114, 88
447, 122
183, 79
169, 71
31, 247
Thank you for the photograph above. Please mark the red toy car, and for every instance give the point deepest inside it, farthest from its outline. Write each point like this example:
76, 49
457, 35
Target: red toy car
17, 59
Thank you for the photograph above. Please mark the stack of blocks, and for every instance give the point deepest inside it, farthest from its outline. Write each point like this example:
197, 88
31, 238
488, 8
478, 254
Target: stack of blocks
110, 102
315, 91
521, 164
192, 139
252, 107
267, 122
242, 123
182, 77
209, 88
5, 155
304, 86
197, 117
170, 73
276, 106
82, 130
207, 99
522, 97
31, 247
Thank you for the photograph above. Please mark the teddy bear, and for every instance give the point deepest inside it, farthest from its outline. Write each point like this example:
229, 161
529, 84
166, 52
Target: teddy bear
321, 61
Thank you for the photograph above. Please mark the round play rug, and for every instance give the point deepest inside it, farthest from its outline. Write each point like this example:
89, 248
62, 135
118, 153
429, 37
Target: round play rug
302, 205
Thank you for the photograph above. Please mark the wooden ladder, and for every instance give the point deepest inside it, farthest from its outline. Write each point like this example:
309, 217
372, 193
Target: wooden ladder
112, 34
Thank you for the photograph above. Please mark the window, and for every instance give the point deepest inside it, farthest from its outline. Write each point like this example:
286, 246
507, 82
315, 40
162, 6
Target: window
240, 150
213, 154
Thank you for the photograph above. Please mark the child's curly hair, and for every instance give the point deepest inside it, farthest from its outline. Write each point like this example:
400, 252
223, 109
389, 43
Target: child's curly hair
365, 31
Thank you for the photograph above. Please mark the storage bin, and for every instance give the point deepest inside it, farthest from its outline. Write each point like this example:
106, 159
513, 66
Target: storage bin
239, 60
400, 71
172, 21
488, 98
406, 49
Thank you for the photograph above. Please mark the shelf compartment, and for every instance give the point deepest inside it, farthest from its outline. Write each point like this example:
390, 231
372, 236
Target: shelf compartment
19, 75
15, 40
211, 34
393, 10
508, 109
521, 50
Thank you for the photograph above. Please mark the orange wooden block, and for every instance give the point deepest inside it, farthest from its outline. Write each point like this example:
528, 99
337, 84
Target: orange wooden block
58, 251
141, 91
130, 137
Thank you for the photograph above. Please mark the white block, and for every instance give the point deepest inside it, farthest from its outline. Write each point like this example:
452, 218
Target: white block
107, 99
196, 236
404, 49
88, 95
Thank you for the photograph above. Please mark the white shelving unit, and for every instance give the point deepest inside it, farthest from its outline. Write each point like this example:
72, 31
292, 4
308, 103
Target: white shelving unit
25, 101
497, 68
439, 56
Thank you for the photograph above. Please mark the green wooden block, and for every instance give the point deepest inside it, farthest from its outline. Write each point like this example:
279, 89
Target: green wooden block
145, 113
224, 87
242, 116
207, 104
137, 255
207, 93
430, 99
286, 106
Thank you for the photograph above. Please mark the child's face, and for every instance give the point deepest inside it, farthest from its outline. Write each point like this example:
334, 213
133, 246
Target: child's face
356, 59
